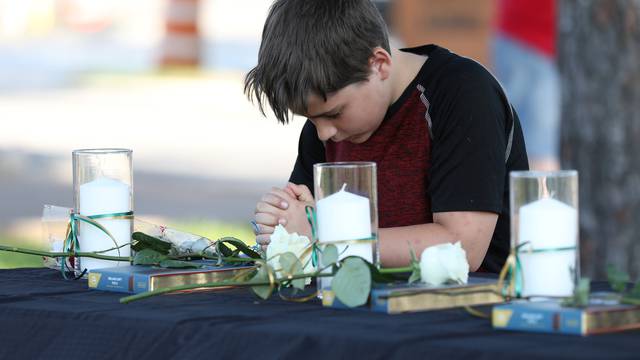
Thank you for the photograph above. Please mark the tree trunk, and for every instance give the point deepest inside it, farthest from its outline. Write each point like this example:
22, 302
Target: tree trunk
599, 58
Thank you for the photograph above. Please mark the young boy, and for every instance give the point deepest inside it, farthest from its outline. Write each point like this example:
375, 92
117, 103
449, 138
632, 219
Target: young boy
438, 125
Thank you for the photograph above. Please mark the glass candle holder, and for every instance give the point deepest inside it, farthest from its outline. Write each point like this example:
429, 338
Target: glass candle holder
103, 185
347, 211
544, 232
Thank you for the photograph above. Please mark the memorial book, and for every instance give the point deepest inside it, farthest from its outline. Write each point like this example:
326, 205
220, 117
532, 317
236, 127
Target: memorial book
410, 298
401, 298
135, 279
551, 317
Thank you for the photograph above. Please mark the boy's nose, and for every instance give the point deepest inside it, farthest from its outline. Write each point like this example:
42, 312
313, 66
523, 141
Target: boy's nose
325, 131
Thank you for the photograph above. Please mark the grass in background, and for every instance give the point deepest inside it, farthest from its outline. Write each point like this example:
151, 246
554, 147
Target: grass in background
216, 229
10, 260
210, 229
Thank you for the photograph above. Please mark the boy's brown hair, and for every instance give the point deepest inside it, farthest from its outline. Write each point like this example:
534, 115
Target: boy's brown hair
313, 47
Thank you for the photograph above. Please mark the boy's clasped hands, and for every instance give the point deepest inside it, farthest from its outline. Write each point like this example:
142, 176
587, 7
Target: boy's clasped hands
284, 207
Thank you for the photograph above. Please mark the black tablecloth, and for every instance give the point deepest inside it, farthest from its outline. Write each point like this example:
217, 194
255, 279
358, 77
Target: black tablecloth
43, 316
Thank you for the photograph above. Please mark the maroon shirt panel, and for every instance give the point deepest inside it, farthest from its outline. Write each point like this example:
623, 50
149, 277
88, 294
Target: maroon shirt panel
401, 147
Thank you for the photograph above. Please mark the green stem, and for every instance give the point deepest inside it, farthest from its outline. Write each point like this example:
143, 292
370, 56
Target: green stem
204, 256
63, 254
113, 248
396, 270
128, 299
98, 255
630, 300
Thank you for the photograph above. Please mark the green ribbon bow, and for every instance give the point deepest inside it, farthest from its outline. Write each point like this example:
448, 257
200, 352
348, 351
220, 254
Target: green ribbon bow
311, 218
512, 270
315, 248
71, 243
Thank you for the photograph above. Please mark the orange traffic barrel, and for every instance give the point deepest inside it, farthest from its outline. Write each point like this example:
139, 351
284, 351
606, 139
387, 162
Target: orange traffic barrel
181, 46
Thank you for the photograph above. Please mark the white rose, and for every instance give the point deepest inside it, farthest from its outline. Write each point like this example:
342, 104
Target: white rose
282, 242
185, 247
201, 245
442, 263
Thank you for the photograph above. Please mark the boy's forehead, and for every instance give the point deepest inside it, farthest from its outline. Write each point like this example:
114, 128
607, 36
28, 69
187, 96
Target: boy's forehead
316, 104
315, 100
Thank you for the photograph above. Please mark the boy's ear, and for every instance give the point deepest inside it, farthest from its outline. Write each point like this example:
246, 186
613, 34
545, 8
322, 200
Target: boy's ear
380, 62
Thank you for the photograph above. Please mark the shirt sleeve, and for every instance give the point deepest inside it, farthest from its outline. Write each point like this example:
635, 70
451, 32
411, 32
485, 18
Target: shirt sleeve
310, 152
469, 144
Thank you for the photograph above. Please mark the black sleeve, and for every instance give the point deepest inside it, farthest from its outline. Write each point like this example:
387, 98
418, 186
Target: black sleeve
469, 142
310, 152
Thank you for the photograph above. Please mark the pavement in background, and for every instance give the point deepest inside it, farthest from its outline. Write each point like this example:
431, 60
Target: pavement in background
155, 194
201, 150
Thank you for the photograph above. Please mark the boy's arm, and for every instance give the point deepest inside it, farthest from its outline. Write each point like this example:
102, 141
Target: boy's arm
310, 151
473, 228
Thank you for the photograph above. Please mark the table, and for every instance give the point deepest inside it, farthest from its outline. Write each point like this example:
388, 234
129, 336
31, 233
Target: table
44, 316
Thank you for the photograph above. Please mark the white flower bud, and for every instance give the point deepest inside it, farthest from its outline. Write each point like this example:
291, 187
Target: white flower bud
282, 242
444, 263
200, 245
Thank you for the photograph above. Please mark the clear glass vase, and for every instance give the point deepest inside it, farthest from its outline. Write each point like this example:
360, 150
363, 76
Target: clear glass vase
103, 186
347, 211
544, 232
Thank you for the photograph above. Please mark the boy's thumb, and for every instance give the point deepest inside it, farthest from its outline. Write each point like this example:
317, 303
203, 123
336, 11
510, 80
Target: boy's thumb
302, 192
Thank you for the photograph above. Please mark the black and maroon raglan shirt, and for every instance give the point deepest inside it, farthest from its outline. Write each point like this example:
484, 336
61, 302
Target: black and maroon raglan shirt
447, 144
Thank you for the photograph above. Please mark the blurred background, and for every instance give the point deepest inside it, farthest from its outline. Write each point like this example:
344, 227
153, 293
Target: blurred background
164, 78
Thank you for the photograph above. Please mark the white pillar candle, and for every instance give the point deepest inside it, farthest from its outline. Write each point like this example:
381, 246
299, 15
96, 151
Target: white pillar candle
345, 216
548, 224
104, 196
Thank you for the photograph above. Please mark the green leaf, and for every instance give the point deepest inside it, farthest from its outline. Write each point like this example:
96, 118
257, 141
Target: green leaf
581, 293
143, 241
630, 300
240, 245
329, 255
224, 249
416, 274
149, 257
635, 292
633, 297
580, 297
352, 283
414, 258
617, 279
177, 264
291, 265
262, 291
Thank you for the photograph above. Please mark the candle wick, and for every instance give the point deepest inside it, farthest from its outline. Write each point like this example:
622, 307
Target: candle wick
544, 189
344, 186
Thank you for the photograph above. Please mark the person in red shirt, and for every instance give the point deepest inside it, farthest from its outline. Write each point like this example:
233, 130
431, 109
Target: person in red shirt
438, 125
524, 57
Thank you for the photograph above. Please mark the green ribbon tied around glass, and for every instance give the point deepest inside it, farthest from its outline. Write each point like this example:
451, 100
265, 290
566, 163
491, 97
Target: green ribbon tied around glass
71, 243
315, 248
511, 273
311, 218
